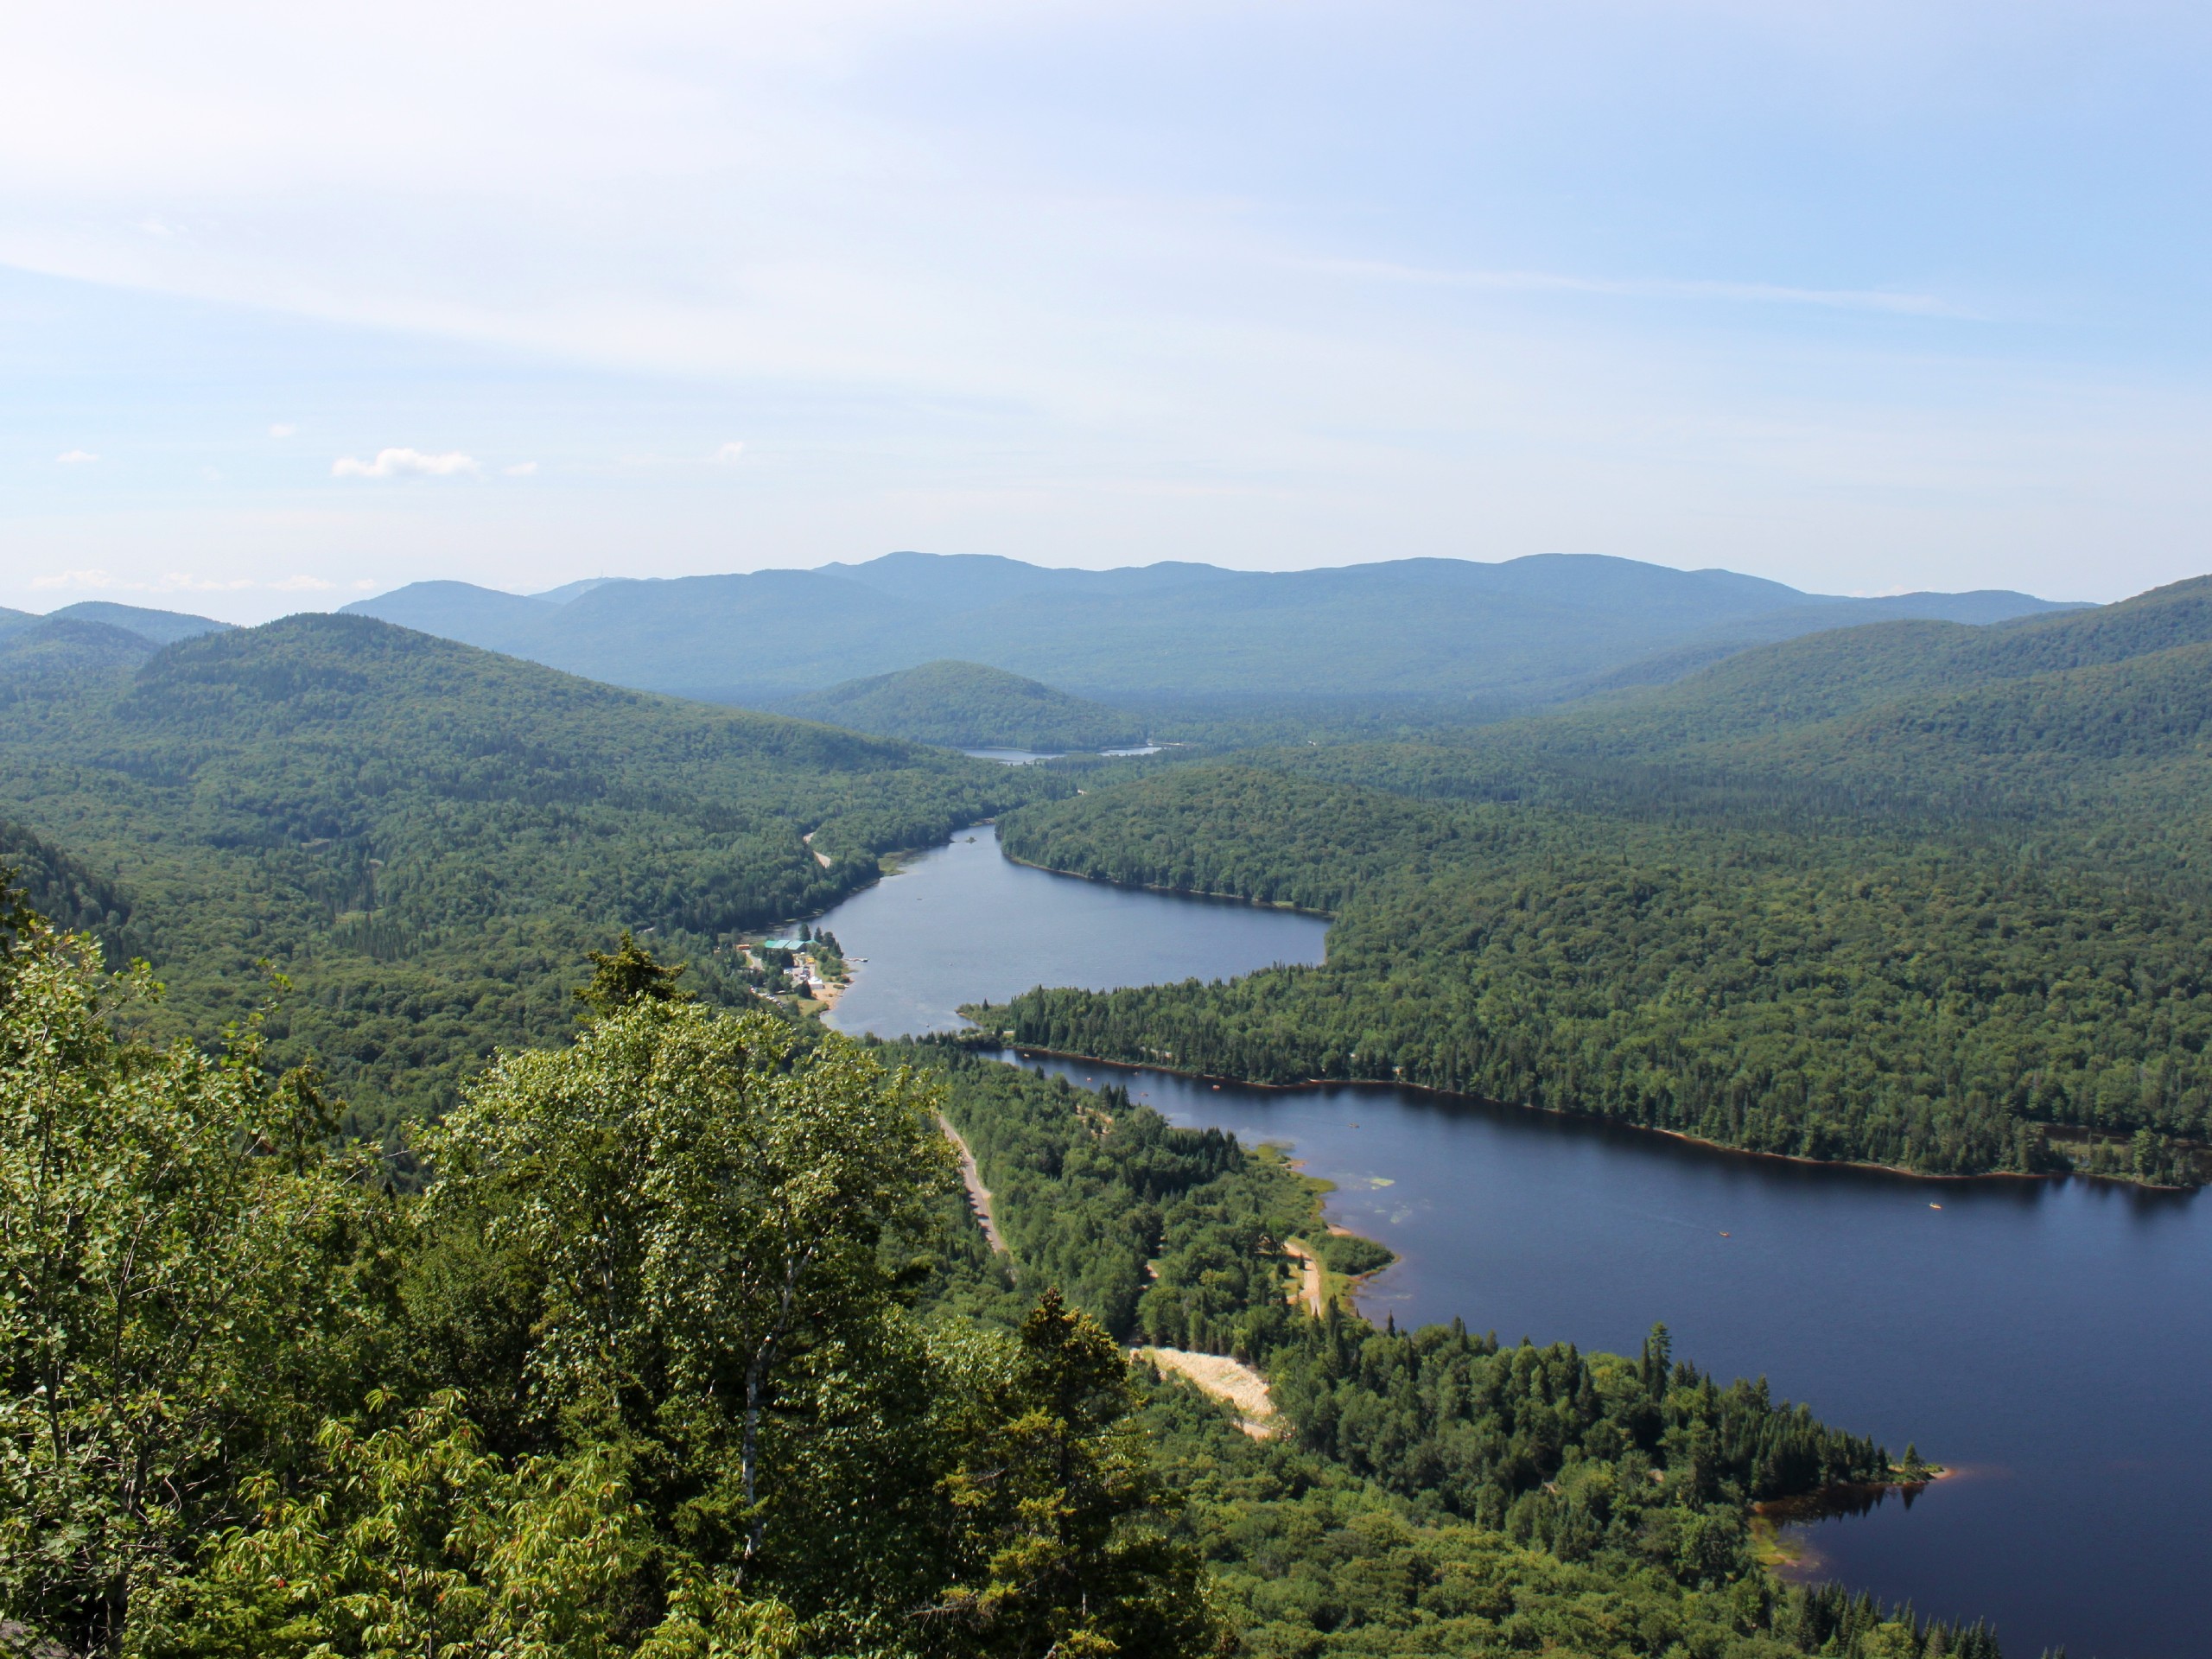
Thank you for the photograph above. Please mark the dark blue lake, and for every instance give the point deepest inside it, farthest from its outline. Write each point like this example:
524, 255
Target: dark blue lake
2050, 1340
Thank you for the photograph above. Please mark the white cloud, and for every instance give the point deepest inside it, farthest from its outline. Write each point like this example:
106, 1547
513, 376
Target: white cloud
74, 579
521, 470
404, 463
727, 454
75, 457
284, 429
301, 585
365, 585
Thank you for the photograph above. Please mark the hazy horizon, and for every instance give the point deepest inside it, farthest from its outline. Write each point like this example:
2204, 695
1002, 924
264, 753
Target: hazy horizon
248, 607
293, 310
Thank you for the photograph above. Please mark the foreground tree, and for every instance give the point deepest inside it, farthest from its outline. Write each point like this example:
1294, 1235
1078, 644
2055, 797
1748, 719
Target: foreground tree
1060, 1551
170, 1226
699, 1201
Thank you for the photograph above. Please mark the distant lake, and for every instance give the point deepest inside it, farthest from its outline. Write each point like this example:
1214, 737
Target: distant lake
2051, 1340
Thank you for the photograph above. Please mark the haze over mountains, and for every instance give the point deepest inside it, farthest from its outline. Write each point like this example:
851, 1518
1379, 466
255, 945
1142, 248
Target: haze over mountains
1524, 632
965, 705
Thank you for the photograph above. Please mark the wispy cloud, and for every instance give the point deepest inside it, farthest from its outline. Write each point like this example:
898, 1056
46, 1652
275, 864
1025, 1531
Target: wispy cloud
729, 454
405, 463
284, 429
179, 582
1894, 302
521, 470
75, 457
74, 579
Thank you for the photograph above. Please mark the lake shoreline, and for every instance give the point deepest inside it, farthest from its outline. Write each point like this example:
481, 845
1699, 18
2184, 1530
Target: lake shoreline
1175, 892
1565, 1115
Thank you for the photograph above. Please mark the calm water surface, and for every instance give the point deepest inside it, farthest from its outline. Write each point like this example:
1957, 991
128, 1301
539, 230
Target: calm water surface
961, 924
2052, 1341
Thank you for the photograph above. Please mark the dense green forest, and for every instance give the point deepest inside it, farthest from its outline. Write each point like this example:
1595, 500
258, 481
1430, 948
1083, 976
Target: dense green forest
1936, 930
424, 837
966, 705
1435, 1492
688, 1348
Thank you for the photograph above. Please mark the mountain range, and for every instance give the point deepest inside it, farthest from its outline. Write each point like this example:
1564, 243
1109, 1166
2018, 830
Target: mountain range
1525, 632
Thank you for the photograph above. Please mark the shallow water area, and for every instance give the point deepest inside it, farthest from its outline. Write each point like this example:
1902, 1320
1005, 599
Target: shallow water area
2049, 1341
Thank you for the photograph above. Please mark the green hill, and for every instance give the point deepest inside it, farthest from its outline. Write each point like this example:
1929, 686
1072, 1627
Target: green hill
1902, 895
425, 838
61, 648
1524, 632
966, 705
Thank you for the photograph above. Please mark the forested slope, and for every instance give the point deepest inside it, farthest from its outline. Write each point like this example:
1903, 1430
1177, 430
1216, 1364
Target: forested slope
1933, 930
1435, 1492
425, 837
966, 705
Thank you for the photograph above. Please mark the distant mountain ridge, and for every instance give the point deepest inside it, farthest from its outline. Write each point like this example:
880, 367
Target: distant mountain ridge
89, 636
1528, 629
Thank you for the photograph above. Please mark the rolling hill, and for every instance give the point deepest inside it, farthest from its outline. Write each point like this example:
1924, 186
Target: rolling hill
1905, 894
425, 838
966, 705
1526, 630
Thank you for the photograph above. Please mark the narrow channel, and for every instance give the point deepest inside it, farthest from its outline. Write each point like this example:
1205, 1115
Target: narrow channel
2049, 1339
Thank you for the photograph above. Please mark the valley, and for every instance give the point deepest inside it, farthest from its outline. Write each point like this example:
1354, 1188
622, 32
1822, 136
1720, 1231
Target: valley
1839, 1005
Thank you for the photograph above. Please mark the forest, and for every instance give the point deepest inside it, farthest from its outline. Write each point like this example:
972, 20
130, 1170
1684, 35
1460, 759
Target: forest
966, 705
688, 1346
1954, 931
423, 837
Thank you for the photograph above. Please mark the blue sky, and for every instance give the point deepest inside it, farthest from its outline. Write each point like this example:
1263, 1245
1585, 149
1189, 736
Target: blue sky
1863, 297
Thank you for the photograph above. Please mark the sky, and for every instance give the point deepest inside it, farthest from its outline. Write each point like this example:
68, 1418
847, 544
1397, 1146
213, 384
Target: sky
298, 304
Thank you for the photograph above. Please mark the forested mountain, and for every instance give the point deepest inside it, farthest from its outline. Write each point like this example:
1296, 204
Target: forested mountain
966, 705
425, 838
1524, 631
1901, 893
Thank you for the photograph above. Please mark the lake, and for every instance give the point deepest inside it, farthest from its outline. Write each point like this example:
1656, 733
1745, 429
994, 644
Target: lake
960, 924
2050, 1340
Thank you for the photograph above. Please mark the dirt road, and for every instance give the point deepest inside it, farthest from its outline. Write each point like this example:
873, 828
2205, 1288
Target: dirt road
979, 1196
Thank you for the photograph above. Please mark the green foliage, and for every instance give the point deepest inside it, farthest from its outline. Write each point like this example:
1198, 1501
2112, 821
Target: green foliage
172, 1233
1921, 932
1436, 1494
1167, 1236
1062, 1552
966, 705
626, 976
427, 839
413, 1540
635, 1375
